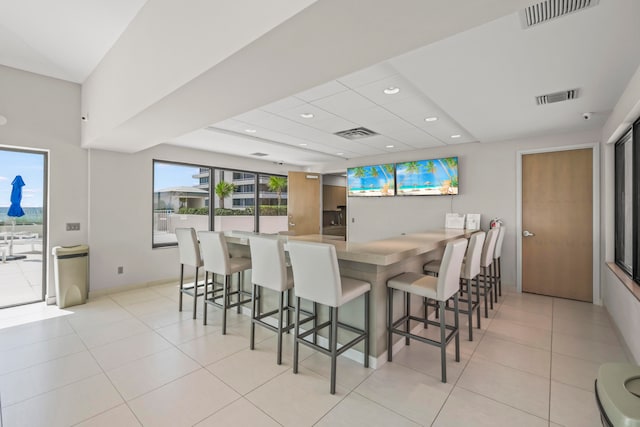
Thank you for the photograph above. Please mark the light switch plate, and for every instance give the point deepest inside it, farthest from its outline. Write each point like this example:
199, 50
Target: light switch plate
73, 226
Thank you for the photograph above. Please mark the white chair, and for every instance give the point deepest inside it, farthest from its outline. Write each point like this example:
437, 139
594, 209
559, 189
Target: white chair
440, 289
471, 270
189, 252
215, 255
497, 268
486, 259
269, 270
317, 278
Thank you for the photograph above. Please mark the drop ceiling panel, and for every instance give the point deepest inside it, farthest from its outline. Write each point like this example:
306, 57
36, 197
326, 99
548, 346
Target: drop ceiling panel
283, 104
342, 103
295, 114
370, 116
333, 125
322, 91
375, 91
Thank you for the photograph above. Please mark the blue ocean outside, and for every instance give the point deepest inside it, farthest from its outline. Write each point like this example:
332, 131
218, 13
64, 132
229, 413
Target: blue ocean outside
31, 216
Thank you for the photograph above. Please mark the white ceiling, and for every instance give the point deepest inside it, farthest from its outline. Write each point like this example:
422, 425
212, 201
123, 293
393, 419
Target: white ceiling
481, 84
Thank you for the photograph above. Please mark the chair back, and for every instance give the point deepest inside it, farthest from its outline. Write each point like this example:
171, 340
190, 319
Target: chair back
215, 253
498, 250
489, 247
188, 248
471, 267
449, 276
315, 272
269, 268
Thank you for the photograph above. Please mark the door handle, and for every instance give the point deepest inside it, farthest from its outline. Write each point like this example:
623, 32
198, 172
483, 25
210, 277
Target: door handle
526, 233
292, 224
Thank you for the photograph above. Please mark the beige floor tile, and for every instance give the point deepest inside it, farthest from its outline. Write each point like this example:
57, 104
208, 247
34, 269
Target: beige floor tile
572, 406
148, 373
576, 372
349, 373
532, 303
404, 391
521, 390
356, 410
464, 408
120, 416
425, 358
64, 406
134, 296
518, 333
94, 336
33, 332
248, 369
271, 345
167, 317
514, 355
27, 383
282, 397
183, 402
97, 315
587, 330
240, 413
155, 305
186, 330
528, 318
213, 347
580, 311
586, 349
39, 352
126, 350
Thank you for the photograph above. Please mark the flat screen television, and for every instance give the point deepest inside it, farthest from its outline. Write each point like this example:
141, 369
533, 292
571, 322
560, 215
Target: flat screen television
434, 177
371, 181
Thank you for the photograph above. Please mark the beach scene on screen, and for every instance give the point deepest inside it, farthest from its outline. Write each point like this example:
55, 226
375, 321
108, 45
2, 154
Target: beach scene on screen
371, 181
435, 177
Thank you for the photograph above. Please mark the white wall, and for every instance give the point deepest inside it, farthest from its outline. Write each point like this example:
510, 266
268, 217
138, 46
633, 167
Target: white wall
487, 186
120, 209
44, 113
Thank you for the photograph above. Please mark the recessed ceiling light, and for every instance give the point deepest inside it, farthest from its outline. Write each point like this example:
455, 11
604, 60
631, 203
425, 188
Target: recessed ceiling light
250, 130
389, 146
3, 120
456, 136
391, 90
307, 115
431, 119
340, 154
302, 145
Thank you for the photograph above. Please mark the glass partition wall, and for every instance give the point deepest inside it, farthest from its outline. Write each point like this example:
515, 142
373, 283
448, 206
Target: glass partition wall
242, 200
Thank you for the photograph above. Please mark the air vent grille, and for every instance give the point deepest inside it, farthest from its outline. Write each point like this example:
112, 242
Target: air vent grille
259, 154
551, 98
551, 9
356, 133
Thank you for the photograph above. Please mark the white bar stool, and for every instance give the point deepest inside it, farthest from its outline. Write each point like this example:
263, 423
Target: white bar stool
189, 252
317, 279
497, 269
269, 270
215, 255
486, 260
441, 289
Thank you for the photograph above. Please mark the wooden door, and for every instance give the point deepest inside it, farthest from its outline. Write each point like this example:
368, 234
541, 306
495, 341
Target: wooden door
303, 203
557, 224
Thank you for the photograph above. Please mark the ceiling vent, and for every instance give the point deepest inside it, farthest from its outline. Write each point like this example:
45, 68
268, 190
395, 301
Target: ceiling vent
551, 98
259, 154
550, 9
356, 133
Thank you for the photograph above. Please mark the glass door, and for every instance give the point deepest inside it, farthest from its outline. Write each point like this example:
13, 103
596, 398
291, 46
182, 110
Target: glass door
23, 219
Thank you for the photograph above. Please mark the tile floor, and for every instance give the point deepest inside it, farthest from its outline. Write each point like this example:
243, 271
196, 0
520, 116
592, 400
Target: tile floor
132, 359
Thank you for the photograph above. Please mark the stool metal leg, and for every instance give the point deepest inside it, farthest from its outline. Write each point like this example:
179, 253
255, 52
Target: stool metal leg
389, 324
225, 303
366, 328
181, 286
280, 318
333, 345
470, 308
195, 293
407, 341
295, 336
456, 323
478, 300
253, 316
206, 295
443, 340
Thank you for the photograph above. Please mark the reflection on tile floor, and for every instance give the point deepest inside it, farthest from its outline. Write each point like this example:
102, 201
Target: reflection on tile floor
132, 359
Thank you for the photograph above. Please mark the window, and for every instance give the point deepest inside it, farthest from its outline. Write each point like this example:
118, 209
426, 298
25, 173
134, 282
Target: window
627, 197
181, 199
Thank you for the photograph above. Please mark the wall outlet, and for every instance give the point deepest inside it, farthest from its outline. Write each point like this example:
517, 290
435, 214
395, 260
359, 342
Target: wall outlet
120, 269
353, 220
73, 226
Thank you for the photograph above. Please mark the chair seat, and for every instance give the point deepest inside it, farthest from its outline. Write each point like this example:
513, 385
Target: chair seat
239, 264
353, 288
432, 267
415, 283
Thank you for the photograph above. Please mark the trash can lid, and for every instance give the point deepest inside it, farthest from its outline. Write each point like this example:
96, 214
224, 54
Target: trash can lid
616, 389
70, 250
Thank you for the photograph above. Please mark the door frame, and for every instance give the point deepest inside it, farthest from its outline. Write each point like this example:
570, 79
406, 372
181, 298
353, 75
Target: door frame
597, 299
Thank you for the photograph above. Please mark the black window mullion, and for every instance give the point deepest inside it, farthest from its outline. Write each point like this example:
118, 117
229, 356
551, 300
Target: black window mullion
636, 200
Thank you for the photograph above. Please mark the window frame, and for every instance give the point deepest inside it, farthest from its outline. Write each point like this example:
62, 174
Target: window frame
212, 208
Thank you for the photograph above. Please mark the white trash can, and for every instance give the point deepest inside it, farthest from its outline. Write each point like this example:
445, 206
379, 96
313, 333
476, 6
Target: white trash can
71, 271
